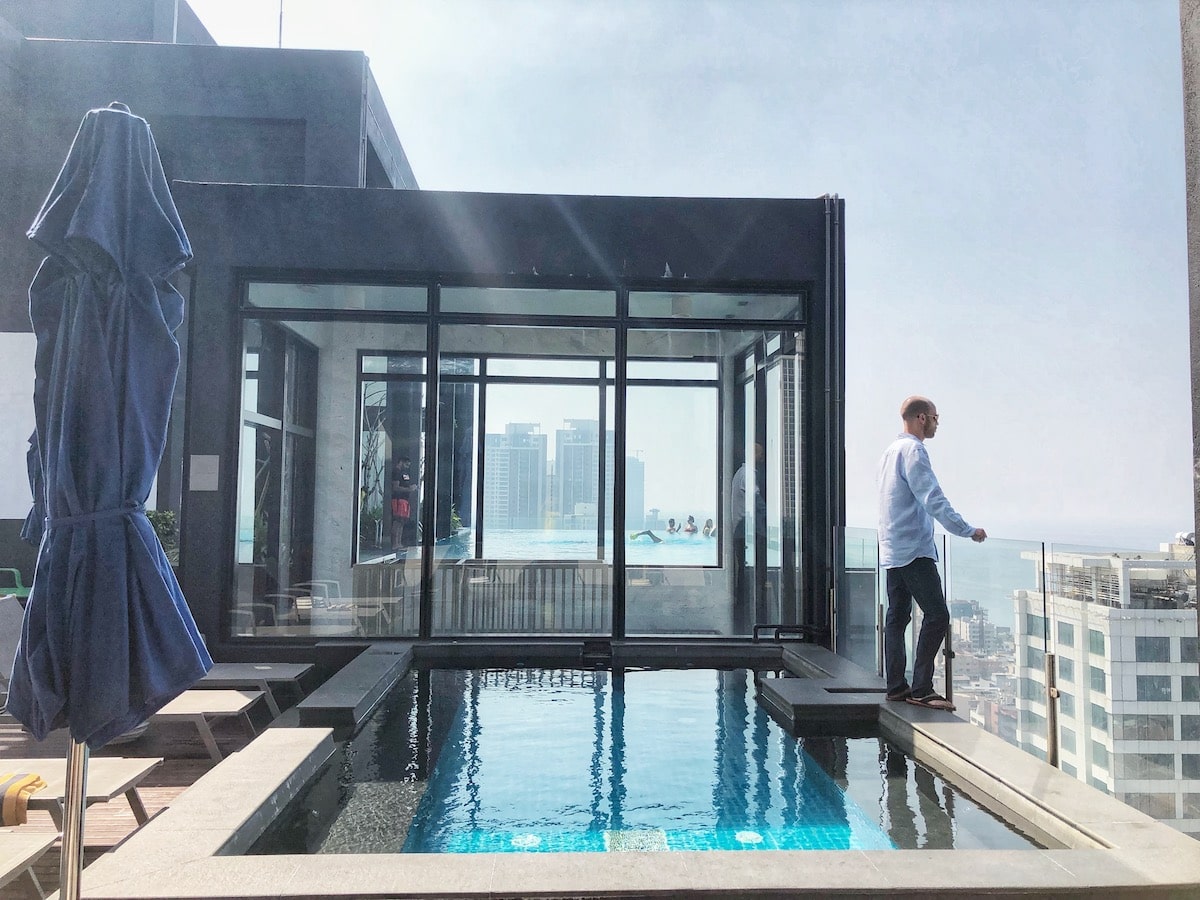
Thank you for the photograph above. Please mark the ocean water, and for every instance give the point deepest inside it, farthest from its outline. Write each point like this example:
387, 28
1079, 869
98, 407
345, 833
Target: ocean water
986, 573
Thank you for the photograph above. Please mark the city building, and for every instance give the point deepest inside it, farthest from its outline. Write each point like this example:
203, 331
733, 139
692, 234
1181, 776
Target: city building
577, 463
514, 494
1122, 629
635, 495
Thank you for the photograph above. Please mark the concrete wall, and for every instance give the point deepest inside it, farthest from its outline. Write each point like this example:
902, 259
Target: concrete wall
227, 114
218, 113
110, 20
1189, 16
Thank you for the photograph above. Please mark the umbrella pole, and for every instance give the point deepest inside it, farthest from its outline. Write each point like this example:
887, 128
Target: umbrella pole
70, 867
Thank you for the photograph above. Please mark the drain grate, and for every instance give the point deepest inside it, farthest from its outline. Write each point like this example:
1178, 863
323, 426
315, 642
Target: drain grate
642, 840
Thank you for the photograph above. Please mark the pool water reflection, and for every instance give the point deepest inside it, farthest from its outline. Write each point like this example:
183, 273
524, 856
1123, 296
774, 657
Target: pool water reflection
580, 760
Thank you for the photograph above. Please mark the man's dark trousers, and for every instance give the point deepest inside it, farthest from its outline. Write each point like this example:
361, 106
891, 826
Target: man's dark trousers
919, 580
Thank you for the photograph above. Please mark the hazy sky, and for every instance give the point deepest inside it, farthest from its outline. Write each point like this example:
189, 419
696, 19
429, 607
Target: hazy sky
1014, 184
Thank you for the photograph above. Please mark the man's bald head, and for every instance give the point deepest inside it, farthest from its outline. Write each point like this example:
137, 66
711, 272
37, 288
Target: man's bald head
916, 406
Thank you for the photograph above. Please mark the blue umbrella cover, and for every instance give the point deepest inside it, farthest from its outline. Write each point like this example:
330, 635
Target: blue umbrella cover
108, 638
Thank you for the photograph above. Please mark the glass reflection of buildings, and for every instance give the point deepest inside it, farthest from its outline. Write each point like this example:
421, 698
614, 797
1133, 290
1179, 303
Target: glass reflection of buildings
525, 489
515, 491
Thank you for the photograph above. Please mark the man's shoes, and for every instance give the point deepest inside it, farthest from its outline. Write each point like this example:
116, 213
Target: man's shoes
932, 701
899, 696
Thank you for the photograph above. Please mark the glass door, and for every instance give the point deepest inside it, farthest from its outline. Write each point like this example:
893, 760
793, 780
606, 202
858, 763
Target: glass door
534, 558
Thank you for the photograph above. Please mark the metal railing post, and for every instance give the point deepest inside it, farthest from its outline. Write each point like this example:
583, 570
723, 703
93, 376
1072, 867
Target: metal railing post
1051, 713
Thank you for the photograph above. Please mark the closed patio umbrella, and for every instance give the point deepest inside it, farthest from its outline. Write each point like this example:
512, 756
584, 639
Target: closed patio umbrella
108, 638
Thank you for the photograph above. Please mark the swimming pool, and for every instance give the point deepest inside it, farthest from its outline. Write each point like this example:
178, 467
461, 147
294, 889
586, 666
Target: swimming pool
578, 760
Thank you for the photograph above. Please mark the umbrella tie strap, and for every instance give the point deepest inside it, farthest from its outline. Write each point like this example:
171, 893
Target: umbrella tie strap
85, 518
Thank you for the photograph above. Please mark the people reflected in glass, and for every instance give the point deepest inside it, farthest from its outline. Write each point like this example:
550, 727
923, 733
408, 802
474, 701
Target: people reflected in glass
403, 497
633, 536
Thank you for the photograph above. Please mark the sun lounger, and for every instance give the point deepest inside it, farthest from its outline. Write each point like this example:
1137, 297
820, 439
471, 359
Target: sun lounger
20, 848
107, 776
201, 707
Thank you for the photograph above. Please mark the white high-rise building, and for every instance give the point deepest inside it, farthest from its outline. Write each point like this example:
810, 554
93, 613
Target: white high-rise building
1123, 631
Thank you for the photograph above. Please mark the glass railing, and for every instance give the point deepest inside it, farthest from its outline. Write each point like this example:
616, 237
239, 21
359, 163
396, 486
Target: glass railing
857, 617
1086, 657
996, 630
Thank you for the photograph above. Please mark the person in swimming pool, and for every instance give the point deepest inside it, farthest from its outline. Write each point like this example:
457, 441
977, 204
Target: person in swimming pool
709, 528
690, 527
672, 528
633, 536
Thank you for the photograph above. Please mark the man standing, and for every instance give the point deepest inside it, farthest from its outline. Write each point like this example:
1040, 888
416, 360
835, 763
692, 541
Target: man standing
910, 498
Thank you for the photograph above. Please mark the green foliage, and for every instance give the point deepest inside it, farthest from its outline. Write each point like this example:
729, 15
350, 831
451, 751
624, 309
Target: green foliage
166, 527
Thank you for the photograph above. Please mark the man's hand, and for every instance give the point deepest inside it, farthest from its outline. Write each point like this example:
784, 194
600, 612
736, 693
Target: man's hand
979, 535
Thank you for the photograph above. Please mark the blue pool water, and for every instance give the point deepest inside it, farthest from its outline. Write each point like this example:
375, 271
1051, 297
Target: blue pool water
537, 760
580, 765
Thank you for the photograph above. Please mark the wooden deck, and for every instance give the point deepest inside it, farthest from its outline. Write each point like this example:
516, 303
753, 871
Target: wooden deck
107, 824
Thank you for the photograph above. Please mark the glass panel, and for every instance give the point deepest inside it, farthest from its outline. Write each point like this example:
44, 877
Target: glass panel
459, 365
545, 368
389, 298
772, 487
1143, 727
1151, 766
1066, 739
748, 513
1152, 649
685, 561
1191, 805
858, 598
1066, 634
1160, 806
1066, 704
263, 369
393, 363
696, 305
320, 550
1189, 650
672, 437
1153, 687
528, 301
533, 558
673, 371
997, 626
1189, 688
